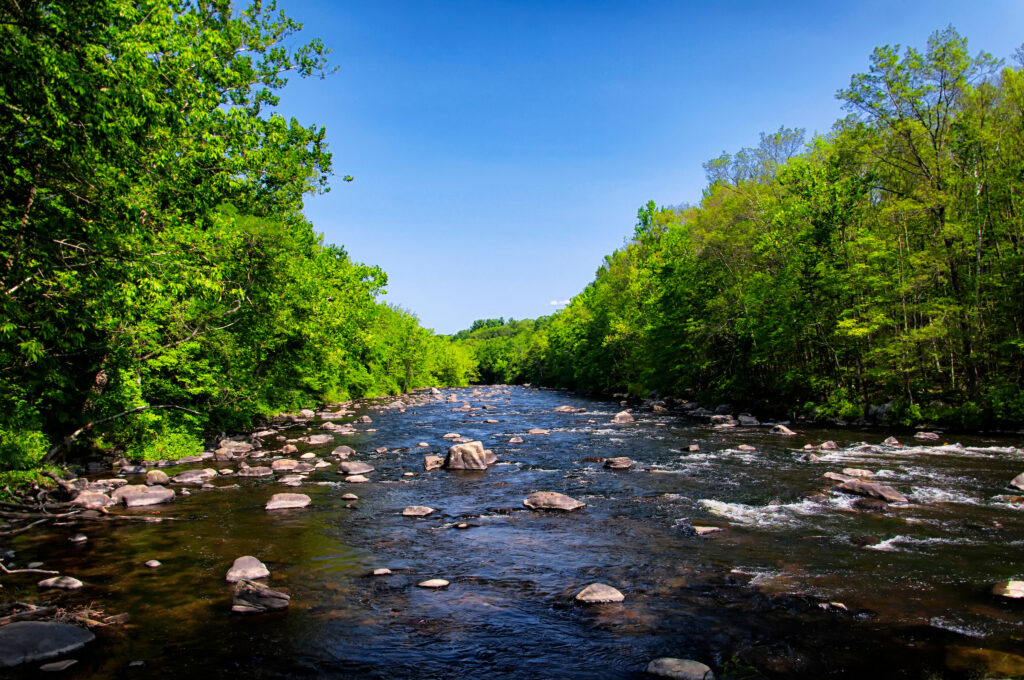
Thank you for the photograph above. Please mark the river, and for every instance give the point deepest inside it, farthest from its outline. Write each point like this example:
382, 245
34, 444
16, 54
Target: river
798, 584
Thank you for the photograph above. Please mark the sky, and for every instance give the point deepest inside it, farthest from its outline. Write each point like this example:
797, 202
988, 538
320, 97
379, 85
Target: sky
501, 149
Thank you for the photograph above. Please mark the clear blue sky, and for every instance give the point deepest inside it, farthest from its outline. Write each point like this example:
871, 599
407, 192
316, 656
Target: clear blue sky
501, 149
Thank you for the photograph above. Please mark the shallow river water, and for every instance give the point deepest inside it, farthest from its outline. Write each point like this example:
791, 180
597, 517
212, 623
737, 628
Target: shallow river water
798, 585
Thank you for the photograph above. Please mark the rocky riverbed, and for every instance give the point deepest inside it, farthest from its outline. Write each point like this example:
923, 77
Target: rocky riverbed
511, 532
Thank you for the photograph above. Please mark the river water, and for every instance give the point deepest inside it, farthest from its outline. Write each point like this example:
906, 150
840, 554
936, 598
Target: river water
799, 584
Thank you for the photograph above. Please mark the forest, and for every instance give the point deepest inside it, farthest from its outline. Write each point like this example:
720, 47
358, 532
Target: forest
159, 282
875, 272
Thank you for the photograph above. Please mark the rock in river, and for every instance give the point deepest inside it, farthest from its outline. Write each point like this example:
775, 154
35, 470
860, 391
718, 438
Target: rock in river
93, 500
258, 471
354, 467
550, 500
1018, 482
284, 501
619, 463
433, 583
418, 511
320, 439
29, 641
194, 476
157, 477
469, 456
679, 669
64, 582
433, 463
1014, 589
256, 598
136, 495
622, 417
779, 429
599, 592
873, 490
246, 567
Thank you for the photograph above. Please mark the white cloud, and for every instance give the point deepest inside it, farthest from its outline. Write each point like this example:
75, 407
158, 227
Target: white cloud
558, 303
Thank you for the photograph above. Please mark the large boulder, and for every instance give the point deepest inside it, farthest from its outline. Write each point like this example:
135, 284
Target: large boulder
246, 567
137, 495
354, 467
31, 641
256, 598
551, 500
872, 490
469, 456
285, 501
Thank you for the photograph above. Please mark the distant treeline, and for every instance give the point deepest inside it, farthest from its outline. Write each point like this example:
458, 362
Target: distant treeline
158, 282
877, 270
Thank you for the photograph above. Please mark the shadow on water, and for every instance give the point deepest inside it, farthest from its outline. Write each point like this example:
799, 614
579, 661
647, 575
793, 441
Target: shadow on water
799, 584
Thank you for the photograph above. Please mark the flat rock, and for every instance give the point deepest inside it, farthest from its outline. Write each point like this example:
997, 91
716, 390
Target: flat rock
858, 472
538, 430
350, 497
235, 447
354, 467
873, 490
619, 463
838, 478
747, 448
418, 511
705, 530
451, 435
433, 583
136, 495
153, 564
320, 439
599, 592
357, 479
1013, 589
31, 641
551, 500
246, 567
93, 500
679, 669
284, 501
284, 464
256, 598
63, 582
382, 572
258, 471
194, 476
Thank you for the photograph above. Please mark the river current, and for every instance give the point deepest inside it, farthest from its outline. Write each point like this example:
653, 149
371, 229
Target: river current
800, 583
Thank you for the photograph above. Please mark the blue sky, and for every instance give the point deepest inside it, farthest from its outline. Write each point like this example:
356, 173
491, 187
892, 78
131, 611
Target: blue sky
501, 149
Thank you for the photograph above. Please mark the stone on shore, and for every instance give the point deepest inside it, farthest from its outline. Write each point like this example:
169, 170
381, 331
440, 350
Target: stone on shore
623, 417
599, 592
418, 511
62, 582
256, 598
551, 500
354, 467
246, 567
873, 490
285, 501
469, 456
31, 641
137, 495
679, 669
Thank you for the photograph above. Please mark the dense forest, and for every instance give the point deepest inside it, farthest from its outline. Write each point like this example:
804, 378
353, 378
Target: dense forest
158, 281
873, 272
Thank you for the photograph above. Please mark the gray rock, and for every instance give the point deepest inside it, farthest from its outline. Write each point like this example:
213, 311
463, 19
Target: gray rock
231, 446
927, 436
29, 641
679, 669
433, 583
194, 476
320, 439
354, 467
748, 421
599, 592
469, 456
256, 598
619, 463
285, 501
258, 471
63, 582
93, 500
783, 430
137, 495
551, 500
873, 490
246, 567
157, 477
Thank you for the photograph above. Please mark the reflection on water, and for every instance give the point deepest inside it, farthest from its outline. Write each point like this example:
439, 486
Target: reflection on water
908, 586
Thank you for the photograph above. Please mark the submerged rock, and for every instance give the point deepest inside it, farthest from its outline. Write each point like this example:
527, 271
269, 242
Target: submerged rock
679, 669
599, 592
538, 430
256, 598
551, 500
469, 456
246, 567
515, 440
31, 641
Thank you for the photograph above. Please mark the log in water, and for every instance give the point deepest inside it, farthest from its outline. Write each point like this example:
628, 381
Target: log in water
801, 580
